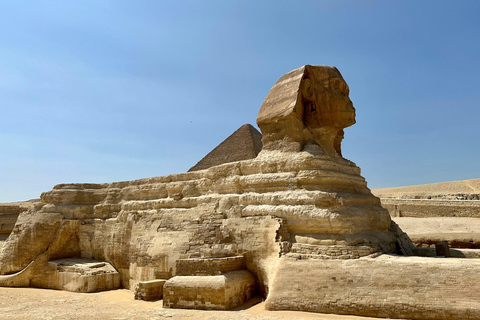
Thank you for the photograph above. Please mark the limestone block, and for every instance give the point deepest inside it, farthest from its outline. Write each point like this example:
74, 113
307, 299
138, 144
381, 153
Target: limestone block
221, 292
79, 275
388, 286
7, 222
209, 266
149, 290
31, 236
9, 213
442, 249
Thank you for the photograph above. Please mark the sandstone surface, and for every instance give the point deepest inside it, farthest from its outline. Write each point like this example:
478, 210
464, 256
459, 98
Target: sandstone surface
209, 284
9, 213
388, 286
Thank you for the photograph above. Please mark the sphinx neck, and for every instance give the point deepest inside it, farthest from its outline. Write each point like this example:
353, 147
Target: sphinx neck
327, 139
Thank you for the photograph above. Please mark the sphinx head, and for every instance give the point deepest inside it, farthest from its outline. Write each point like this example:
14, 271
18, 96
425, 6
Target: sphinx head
307, 106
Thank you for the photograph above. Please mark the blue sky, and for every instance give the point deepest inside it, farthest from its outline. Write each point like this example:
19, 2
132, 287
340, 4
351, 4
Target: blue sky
101, 91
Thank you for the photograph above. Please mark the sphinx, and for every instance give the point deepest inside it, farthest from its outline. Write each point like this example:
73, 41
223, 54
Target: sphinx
312, 235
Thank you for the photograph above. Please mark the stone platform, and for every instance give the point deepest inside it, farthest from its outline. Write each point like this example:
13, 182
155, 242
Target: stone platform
79, 275
388, 286
210, 284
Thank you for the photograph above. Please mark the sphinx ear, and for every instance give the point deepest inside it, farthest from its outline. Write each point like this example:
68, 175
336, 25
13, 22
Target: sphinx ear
308, 92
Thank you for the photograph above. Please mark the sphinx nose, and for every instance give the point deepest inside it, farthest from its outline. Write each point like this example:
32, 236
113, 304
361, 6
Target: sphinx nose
350, 105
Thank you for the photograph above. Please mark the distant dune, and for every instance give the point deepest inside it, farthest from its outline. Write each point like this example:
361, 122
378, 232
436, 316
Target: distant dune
434, 190
24, 204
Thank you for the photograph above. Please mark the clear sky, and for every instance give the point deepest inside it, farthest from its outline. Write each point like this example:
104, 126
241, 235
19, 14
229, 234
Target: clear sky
102, 91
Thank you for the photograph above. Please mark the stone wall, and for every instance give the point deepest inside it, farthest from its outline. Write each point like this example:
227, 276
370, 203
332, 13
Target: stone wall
209, 283
8, 218
457, 232
209, 267
302, 251
424, 208
387, 286
9, 214
220, 292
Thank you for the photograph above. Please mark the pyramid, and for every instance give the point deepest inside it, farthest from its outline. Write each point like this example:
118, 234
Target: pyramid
243, 144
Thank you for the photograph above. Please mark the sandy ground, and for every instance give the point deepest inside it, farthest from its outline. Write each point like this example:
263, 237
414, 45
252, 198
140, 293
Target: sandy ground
451, 187
29, 303
459, 232
437, 225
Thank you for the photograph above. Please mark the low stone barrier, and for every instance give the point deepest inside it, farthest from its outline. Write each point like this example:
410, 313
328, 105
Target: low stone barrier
209, 283
388, 286
149, 290
425, 208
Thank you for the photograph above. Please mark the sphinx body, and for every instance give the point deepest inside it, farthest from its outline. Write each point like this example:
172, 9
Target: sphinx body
313, 198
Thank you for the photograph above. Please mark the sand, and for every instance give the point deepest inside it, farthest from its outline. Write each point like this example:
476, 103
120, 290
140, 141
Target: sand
30, 303
452, 187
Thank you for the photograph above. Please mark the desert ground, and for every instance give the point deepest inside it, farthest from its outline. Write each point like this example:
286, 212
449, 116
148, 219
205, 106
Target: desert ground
432, 189
30, 303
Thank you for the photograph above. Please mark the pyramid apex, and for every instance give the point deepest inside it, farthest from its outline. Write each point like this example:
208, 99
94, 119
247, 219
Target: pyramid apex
245, 143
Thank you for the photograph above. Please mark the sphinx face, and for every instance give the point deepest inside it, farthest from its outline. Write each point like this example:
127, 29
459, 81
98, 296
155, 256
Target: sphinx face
326, 102
307, 105
337, 104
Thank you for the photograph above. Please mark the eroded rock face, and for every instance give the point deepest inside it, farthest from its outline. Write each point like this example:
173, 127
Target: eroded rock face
299, 198
9, 214
309, 105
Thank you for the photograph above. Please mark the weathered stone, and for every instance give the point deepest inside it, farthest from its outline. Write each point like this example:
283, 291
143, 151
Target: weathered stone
220, 292
388, 286
442, 249
9, 214
78, 275
149, 290
263, 207
309, 105
209, 266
